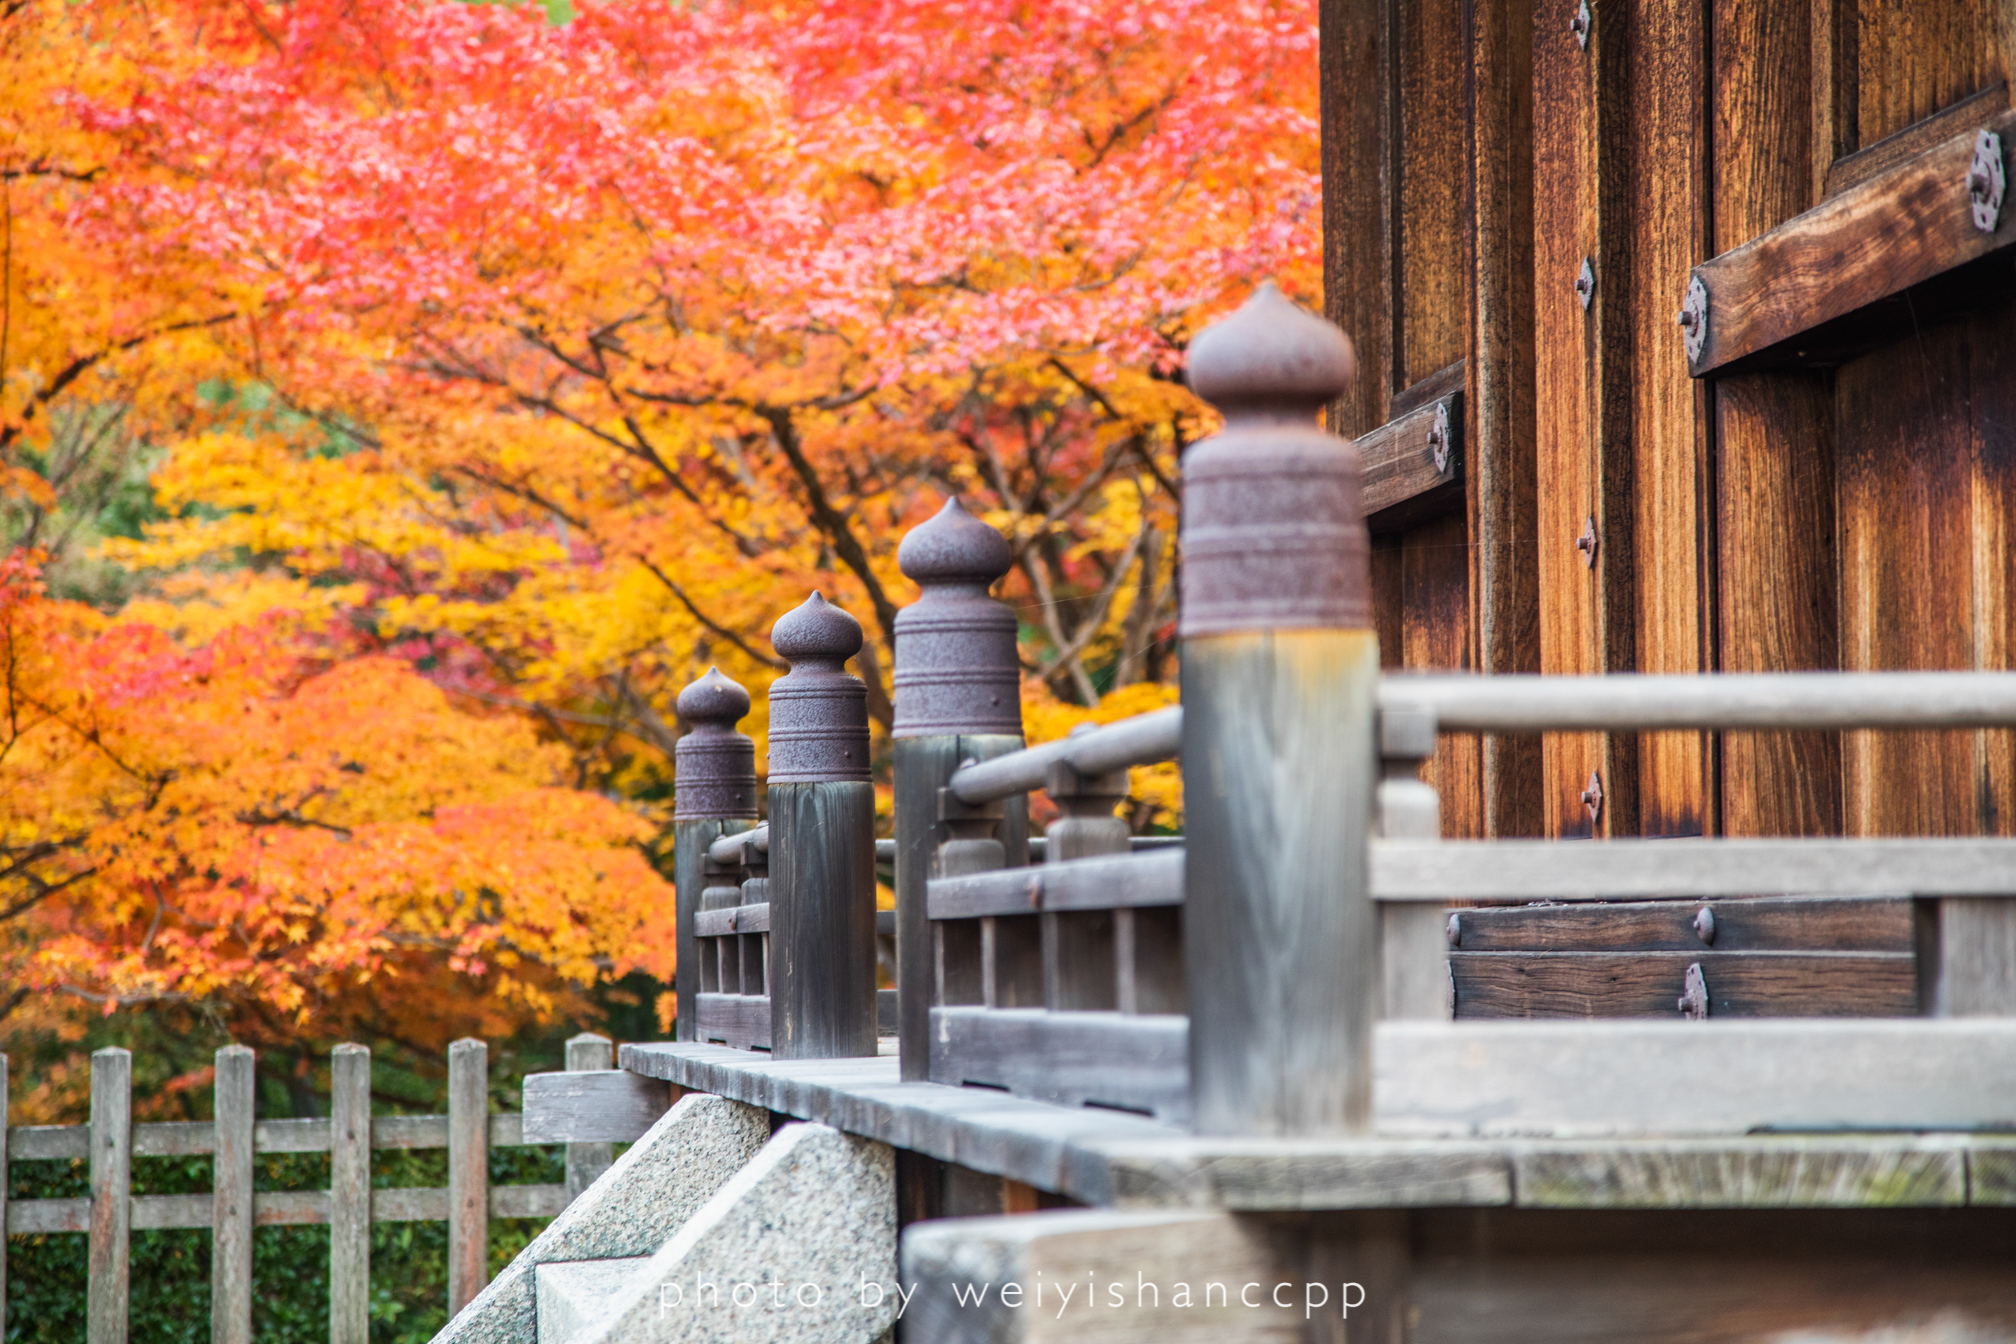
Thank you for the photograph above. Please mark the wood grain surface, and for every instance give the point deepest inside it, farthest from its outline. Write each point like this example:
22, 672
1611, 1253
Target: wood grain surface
1649, 984
1765, 923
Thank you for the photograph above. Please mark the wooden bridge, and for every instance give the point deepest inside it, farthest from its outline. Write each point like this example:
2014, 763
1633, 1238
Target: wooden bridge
1314, 1071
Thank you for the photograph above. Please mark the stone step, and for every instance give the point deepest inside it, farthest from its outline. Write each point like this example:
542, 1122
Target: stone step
574, 1295
631, 1210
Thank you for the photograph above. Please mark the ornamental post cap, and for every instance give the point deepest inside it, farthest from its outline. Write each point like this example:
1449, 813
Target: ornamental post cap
1271, 357
816, 630
714, 699
953, 547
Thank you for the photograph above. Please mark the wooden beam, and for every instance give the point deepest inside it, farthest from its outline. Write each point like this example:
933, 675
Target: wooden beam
1414, 464
1533, 870
1650, 984
1750, 924
1153, 878
468, 1210
1477, 1079
592, 1106
1119, 1061
1812, 289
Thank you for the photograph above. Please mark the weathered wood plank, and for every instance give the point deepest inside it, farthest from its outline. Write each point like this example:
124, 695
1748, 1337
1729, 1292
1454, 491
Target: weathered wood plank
1969, 114
1153, 878
1773, 298
6, 1183
1803, 1173
1760, 924
1357, 113
350, 1195
1650, 984
1500, 477
1141, 740
1478, 1079
592, 1106
740, 1020
1543, 870
733, 920
231, 1199
1916, 57
1120, 1061
690, 839
109, 1281
468, 1171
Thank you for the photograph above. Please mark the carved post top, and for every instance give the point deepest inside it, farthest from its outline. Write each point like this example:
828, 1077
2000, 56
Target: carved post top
818, 711
957, 670
714, 767
1273, 513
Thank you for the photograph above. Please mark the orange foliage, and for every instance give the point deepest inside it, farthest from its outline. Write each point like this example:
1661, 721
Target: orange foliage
294, 847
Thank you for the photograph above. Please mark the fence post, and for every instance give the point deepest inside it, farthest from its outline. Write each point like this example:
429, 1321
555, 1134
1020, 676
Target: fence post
586, 1161
3, 1194
958, 698
235, 1096
1082, 950
468, 1171
1416, 938
111, 1195
1280, 665
713, 793
349, 1195
822, 842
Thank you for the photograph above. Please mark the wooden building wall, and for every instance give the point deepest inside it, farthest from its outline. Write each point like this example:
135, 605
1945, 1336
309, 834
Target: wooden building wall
1839, 495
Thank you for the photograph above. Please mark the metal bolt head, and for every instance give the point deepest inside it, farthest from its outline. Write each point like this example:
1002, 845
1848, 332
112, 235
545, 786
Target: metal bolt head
1586, 543
1985, 182
1694, 318
1455, 929
1438, 439
1704, 925
1580, 24
1592, 797
1693, 1003
1585, 283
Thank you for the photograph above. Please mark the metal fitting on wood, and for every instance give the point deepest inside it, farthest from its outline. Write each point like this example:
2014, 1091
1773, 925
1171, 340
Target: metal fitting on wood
1273, 514
956, 666
714, 767
818, 711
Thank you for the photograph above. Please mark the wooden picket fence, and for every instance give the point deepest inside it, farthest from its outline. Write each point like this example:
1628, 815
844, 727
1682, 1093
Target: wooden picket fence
233, 1208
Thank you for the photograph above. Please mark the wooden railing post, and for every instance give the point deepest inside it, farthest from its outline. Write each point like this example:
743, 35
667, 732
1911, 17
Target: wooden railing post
1416, 937
1280, 665
231, 1199
714, 792
958, 698
468, 1171
586, 1161
350, 1195
111, 1196
822, 842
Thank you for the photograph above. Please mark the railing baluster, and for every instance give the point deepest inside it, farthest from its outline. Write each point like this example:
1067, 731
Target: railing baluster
1280, 668
468, 1171
586, 1161
1415, 956
111, 1196
349, 1195
3, 1191
231, 1198
958, 698
1082, 951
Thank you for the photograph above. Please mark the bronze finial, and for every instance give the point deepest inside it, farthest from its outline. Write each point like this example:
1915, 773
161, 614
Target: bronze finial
956, 666
818, 711
714, 767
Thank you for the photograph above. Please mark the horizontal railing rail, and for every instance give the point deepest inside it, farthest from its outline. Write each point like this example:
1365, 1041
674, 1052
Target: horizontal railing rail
1142, 740
1763, 701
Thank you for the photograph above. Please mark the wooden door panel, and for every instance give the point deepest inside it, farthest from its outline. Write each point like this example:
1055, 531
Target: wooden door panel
1916, 57
1923, 435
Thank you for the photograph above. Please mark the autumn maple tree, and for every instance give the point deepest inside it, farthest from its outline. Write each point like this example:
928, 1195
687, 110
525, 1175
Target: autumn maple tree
495, 375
